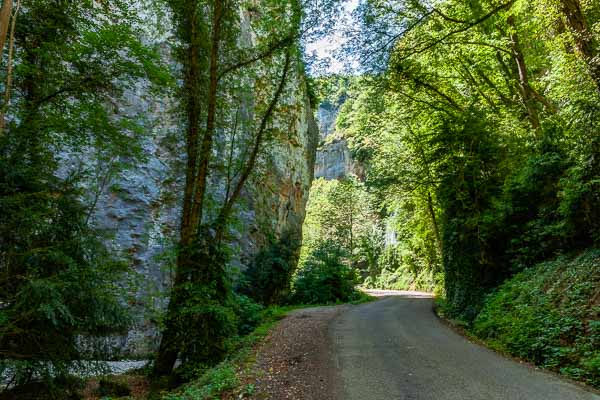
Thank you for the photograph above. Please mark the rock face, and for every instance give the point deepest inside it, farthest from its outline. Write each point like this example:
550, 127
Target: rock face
276, 199
326, 114
140, 206
334, 160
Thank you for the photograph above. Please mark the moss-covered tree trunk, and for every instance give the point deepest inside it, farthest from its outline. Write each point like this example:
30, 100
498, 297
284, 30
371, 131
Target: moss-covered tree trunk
196, 169
583, 37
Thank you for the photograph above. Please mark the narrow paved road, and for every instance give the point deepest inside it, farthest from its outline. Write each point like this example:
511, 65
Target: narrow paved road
397, 349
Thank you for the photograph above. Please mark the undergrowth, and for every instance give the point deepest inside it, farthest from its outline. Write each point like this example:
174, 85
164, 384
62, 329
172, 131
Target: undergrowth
213, 383
549, 315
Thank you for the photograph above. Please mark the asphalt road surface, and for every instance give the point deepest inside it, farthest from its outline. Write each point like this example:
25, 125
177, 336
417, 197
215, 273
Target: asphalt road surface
397, 349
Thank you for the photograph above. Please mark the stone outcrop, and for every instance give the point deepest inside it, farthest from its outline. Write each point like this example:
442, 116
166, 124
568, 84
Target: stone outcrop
334, 160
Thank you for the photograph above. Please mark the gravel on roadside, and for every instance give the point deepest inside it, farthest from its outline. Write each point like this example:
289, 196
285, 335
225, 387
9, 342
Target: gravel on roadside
294, 361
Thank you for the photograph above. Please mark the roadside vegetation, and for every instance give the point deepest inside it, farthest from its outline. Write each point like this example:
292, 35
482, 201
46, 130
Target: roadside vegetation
549, 315
230, 378
227, 379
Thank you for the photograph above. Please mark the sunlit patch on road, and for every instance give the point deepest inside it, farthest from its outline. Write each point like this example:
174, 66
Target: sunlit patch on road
402, 293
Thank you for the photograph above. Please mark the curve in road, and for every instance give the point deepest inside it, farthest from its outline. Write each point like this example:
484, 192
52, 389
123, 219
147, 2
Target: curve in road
397, 349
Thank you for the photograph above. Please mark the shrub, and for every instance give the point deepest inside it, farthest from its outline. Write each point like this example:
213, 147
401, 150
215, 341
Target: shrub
324, 277
108, 387
580, 196
209, 386
267, 279
249, 314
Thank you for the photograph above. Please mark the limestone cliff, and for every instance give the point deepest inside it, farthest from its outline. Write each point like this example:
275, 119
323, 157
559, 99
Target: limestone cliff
141, 205
334, 160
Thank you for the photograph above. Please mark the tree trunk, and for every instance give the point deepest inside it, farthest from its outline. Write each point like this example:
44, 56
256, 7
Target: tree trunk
525, 89
207, 142
193, 111
584, 40
169, 344
9, 66
4, 22
436, 229
198, 258
168, 350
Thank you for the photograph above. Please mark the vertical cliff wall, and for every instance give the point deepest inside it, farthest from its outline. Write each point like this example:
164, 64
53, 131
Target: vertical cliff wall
334, 160
140, 206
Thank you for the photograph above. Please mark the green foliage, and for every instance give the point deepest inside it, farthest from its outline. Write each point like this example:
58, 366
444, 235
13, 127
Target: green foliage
267, 279
214, 382
579, 195
398, 271
398, 158
107, 387
342, 243
464, 196
343, 212
209, 386
324, 277
249, 314
548, 314
204, 304
62, 388
478, 128
58, 282
530, 197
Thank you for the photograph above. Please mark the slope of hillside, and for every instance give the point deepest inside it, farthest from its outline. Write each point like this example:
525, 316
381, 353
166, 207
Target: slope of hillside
549, 315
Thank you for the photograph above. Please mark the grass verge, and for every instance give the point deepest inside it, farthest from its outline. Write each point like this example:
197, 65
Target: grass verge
231, 379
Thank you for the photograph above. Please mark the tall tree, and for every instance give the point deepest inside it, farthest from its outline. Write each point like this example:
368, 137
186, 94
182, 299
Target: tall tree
584, 39
200, 293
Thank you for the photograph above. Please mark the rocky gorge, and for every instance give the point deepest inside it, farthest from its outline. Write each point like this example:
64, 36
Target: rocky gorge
140, 206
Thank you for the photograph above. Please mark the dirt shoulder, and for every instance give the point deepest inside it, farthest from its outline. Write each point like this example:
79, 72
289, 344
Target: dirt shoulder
294, 362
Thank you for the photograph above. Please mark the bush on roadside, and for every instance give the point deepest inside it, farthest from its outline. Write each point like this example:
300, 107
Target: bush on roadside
549, 315
267, 279
249, 314
324, 277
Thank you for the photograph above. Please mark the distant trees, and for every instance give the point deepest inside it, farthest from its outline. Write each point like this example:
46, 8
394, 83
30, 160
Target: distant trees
342, 214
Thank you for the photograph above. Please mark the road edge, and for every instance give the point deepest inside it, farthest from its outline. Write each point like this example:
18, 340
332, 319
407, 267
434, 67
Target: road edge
460, 330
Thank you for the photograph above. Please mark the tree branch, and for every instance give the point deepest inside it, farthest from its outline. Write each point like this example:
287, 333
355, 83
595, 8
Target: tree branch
227, 208
460, 30
270, 50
